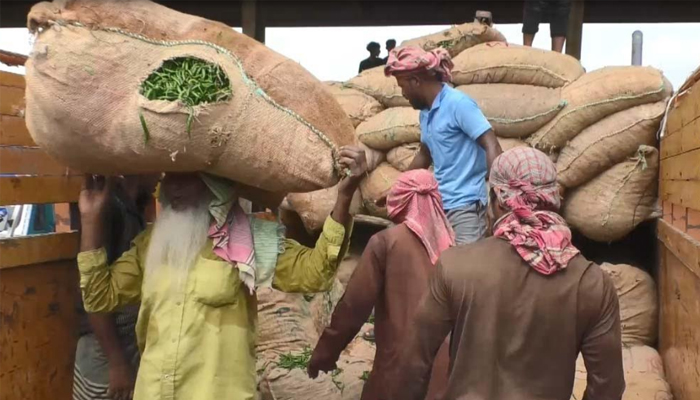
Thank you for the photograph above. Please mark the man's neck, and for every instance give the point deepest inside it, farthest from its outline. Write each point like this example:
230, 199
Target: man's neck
432, 93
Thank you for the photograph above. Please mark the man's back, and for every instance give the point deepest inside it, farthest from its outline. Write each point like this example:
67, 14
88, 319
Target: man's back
517, 333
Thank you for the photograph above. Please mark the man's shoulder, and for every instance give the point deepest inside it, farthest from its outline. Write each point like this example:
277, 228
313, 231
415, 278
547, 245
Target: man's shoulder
457, 98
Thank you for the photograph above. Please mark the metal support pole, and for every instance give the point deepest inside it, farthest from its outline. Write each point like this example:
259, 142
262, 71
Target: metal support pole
637, 44
575, 31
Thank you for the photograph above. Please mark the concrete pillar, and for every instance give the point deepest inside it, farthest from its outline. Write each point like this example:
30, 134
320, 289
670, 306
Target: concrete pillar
252, 20
575, 33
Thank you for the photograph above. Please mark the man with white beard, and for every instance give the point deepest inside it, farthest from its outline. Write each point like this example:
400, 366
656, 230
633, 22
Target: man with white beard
195, 272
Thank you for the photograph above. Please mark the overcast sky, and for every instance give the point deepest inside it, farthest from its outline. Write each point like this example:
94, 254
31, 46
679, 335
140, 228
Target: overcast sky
334, 53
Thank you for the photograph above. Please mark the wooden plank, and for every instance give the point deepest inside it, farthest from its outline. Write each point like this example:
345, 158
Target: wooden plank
693, 224
36, 249
667, 211
13, 132
685, 110
574, 36
679, 324
12, 101
687, 139
679, 217
39, 190
681, 245
12, 80
38, 331
682, 167
22, 160
684, 193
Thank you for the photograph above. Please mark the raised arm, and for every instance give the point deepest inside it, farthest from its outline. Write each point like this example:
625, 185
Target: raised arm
311, 270
353, 309
105, 288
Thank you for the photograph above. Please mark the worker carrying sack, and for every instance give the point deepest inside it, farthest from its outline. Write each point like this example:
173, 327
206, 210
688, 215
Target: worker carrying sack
133, 87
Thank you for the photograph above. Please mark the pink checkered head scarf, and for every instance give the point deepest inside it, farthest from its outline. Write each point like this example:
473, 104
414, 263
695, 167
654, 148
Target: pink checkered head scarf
414, 200
525, 183
411, 59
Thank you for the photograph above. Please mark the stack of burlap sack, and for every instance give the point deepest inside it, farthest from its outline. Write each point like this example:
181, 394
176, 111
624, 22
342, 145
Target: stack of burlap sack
599, 127
643, 366
289, 325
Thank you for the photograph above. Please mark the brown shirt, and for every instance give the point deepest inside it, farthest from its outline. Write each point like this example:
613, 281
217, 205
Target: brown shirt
516, 333
392, 276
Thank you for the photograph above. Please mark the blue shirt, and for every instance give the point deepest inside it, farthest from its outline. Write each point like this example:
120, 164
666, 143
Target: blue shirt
450, 129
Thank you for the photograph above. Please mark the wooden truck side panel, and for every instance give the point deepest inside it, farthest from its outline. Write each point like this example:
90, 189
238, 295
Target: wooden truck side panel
38, 274
679, 241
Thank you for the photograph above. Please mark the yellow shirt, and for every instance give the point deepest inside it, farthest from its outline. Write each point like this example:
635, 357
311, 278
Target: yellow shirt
198, 339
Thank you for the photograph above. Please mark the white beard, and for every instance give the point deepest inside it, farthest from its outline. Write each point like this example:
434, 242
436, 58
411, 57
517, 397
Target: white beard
176, 241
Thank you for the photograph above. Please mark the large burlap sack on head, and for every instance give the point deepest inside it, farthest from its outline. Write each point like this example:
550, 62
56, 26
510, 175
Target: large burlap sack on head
608, 142
639, 311
401, 157
510, 63
385, 89
644, 376
373, 157
515, 111
358, 106
458, 38
315, 207
278, 131
376, 186
611, 205
390, 128
598, 94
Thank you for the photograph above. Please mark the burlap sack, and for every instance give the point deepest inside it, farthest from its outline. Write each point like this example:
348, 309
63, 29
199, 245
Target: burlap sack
611, 205
639, 312
276, 383
355, 360
644, 376
373, 82
509, 144
608, 142
315, 207
376, 186
358, 106
458, 38
598, 94
323, 304
390, 128
401, 157
515, 111
373, 157
510, 63
278, 131
285, 323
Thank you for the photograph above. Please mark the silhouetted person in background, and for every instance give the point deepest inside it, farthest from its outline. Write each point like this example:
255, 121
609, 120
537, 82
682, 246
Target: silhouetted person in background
373, 60
558, 13
390, 45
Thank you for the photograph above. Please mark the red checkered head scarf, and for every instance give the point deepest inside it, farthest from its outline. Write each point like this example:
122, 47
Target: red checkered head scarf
525, 183
411, 60
414, 200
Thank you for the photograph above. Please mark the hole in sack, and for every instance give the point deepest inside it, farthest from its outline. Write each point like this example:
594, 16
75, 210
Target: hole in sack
189, 80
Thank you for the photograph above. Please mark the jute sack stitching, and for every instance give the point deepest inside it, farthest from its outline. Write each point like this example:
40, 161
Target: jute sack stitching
639, 310
401, 157
608, 142
458, 38
515, 111
595, 96
358, 106
233, 139
390, 128
508, 63
611, 205
385, 89
376, 186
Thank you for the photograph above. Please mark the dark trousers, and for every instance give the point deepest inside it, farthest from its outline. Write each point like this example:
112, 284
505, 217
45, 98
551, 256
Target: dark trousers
555, 11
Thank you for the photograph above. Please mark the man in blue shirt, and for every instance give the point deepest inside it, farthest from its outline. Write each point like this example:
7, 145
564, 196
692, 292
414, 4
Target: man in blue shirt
455, 137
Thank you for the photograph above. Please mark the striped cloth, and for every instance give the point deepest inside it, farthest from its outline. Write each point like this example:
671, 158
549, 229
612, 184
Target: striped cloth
414, 200
524, 181
411, 59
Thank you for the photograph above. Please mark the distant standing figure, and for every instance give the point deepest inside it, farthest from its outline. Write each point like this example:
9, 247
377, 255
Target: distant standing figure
558, 13
373, 60
390, 45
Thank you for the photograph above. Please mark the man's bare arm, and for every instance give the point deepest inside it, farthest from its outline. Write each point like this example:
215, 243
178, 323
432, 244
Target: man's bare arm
422, 160
493, 149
